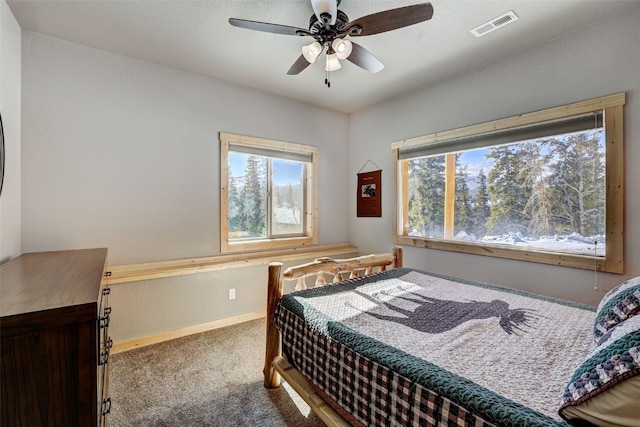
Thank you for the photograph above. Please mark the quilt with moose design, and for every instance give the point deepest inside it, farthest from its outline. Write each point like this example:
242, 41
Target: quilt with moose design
407, 347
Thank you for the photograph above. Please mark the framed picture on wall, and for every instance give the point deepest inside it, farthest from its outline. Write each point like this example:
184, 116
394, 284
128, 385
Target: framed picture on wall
369, 197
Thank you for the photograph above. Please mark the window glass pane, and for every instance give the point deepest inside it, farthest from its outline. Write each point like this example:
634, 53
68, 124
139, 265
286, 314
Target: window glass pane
546, 194
247, 196
287, 203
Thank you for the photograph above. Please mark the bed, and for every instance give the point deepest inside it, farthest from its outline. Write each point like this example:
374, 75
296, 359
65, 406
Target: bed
372, 343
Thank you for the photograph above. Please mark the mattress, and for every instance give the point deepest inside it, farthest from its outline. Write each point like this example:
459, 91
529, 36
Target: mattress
407, 347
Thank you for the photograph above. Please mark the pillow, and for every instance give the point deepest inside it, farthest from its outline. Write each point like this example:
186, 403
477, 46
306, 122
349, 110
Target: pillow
605, 389
618, 304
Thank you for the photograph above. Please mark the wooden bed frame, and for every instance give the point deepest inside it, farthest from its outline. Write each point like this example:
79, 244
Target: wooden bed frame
276, 367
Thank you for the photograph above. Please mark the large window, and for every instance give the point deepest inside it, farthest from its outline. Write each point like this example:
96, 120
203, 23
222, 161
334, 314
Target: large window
268, 193
544, 187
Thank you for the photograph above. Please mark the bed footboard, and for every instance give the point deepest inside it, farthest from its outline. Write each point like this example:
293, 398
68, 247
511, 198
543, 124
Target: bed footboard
273, 347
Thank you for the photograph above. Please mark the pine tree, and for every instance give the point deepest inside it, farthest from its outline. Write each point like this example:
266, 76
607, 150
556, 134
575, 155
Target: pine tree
256, 197
509, 192
426, 196
292, 203
578, 179
481, 207
237, 213
537, 208
462, 212
277, 196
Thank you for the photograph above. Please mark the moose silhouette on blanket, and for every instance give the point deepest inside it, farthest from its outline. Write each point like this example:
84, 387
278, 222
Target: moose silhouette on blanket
434, 316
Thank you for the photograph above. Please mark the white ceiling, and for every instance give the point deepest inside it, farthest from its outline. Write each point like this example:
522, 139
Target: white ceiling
195, 36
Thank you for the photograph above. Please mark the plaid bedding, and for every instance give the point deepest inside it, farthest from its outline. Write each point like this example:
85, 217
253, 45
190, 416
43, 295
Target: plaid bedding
375, 383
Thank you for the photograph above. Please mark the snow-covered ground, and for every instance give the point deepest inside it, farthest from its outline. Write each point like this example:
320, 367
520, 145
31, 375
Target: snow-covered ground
571, 243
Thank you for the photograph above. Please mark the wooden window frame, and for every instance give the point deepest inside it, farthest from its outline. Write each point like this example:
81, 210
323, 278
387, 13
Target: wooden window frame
612, 107
311, 195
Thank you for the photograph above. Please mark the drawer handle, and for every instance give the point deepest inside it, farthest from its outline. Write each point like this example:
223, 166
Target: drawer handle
106, 291
104, 357
104, 320
106, 402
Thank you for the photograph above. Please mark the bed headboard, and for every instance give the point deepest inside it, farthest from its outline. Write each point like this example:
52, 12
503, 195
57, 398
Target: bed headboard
340, 269
336, 268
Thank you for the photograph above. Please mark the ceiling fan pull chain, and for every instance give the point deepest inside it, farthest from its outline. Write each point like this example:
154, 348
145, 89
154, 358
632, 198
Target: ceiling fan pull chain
327, 72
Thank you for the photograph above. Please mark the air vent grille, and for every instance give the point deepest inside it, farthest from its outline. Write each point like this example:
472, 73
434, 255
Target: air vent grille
494, 24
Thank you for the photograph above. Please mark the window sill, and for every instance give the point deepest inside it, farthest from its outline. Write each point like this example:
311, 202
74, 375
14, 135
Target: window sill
519, 254
266, 244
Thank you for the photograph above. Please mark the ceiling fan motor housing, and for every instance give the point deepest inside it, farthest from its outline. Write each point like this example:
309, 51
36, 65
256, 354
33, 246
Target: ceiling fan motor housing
323, 31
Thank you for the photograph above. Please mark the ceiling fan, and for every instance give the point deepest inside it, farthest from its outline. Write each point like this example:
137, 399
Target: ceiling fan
329, 27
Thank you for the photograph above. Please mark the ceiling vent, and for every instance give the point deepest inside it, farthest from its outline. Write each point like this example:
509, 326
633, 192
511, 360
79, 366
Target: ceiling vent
494, 24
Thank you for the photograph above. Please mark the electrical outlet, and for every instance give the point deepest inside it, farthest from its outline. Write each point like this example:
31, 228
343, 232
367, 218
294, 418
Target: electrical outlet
232, 293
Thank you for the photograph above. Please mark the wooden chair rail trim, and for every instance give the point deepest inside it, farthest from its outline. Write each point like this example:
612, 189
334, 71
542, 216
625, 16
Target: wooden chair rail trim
153, 270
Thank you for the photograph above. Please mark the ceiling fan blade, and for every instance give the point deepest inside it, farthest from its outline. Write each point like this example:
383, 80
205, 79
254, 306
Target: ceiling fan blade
364, 59
300, 64
390, 20
267, 27
325, 6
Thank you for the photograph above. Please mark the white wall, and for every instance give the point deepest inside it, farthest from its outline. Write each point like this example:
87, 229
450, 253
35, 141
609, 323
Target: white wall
10, 65
598, 60
124, 154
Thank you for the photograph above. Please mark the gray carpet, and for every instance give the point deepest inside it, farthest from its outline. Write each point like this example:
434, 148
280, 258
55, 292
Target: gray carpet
208, 379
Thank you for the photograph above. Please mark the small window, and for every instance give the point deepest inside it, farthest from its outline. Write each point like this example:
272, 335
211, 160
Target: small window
544, 187
268, 193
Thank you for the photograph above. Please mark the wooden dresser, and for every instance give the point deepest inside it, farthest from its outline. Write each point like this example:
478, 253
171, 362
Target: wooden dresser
54, 319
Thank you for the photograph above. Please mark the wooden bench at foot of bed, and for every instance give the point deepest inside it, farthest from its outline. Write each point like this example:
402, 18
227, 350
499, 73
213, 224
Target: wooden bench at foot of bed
276, 366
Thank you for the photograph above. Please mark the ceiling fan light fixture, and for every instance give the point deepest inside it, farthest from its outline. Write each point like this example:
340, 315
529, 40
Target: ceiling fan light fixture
333, 63
342, 48
311, 51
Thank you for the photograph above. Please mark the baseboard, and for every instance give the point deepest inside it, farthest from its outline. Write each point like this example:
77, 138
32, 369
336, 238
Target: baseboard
189, 330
